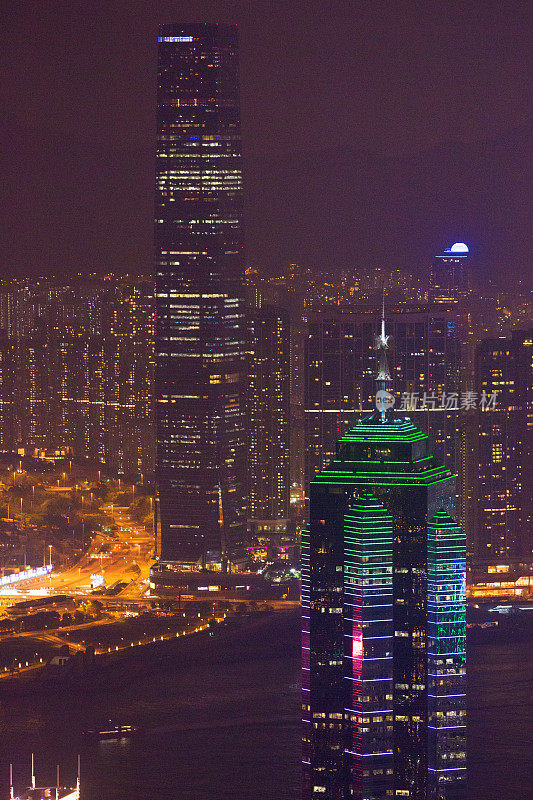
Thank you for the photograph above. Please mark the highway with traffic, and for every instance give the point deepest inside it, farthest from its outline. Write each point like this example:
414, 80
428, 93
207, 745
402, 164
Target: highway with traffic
122, 555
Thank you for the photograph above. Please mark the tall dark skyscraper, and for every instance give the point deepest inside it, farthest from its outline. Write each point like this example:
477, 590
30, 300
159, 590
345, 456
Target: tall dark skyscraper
384, 629
200, 331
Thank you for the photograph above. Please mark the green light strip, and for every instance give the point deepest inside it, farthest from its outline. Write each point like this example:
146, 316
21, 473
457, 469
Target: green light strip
446, 545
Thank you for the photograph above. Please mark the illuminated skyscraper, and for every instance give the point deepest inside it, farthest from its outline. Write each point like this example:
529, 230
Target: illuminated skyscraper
200, 332
339, 369
384, 629
503, 453
7, 389
82, 354
269, 420
449, 273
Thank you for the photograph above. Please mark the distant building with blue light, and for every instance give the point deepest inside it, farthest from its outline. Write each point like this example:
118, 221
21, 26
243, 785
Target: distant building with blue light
449, 273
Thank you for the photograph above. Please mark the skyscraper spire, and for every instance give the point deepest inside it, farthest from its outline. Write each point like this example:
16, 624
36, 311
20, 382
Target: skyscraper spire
382, 344
384, 398
383, 337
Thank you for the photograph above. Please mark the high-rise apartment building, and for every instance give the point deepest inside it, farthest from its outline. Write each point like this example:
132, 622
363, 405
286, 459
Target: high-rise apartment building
77, 371
297, 285
269, 405
383, 606
289, 292
7, 392
503, 453
200, 349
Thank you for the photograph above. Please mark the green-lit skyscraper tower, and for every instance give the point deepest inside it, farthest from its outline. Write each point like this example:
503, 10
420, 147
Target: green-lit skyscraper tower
383, 595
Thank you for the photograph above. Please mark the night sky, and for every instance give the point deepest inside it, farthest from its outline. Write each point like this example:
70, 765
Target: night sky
374, 132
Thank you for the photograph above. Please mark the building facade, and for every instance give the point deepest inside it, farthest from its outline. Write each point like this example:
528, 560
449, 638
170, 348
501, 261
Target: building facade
77, 371
450, 279
269, 404
384, 602
200, 351
503, 487
384, 618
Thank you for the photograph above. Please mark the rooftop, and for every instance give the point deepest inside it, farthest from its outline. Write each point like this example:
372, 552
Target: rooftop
397, 429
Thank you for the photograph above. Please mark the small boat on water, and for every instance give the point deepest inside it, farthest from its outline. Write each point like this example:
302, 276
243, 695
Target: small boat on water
35, 792
116, 732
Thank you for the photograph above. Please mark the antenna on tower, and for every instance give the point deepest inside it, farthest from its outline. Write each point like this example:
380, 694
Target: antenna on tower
32, 772
384, 399
11, 792
383, 337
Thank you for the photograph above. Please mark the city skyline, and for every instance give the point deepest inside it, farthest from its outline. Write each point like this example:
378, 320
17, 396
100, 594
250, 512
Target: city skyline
266, 402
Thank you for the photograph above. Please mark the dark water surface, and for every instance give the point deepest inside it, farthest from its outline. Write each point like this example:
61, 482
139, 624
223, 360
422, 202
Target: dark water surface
225, 725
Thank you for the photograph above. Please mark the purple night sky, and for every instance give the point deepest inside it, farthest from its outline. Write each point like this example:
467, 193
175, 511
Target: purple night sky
374, 132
